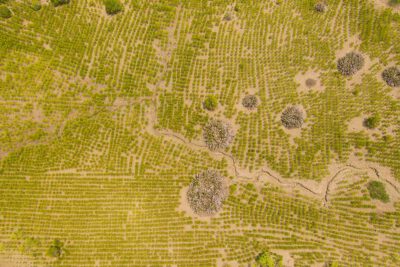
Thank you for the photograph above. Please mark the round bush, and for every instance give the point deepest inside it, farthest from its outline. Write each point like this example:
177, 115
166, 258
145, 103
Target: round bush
311, 82
207, 192
59, 2
5, 12
321, 7
217, 134
392, 76
113, 6
372, 122
250, 102
292, 117
211, 103
350, 63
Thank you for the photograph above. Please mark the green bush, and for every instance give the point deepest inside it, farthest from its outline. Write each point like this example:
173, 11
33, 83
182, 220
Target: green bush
211, 103
113, 6
5, 12
265, 259
372, 122
56, 249
377, 191
59, 2
394, 2
36, 5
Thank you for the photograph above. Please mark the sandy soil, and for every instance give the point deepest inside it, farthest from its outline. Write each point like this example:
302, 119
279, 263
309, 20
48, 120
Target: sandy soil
385, 4
301, 79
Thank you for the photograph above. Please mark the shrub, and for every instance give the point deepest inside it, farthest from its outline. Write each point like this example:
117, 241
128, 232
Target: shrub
228, 16
377, 191
36, 7
217, 134
350, 63
59, 2
56, 249
250, 102
394, 2
321, 7
5, 12
292, 117
113, 6
265, 259
311, 82
372, 122
211, 103
206, 193
391, 76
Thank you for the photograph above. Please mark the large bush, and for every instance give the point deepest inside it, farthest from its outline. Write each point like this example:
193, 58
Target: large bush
391, 76
292, 117
217, 134
350, 63
207, 192
250, 102
113, 6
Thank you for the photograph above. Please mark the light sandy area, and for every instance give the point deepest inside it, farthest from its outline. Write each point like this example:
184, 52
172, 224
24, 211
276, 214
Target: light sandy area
301, 79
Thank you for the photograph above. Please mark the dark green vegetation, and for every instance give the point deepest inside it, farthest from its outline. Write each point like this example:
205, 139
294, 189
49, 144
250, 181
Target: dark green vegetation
394, 2
207, 192
392, 76
350, 63
211, 103
266, 259
217, 134
5, 12
292, 117
59, 2
372, 122
113, 6
377, 191
56, 250
36, 5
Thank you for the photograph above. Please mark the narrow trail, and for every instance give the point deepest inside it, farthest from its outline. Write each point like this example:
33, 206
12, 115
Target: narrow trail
324, 186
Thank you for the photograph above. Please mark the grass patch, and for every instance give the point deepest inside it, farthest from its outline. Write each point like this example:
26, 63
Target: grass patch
113, 6
377, 191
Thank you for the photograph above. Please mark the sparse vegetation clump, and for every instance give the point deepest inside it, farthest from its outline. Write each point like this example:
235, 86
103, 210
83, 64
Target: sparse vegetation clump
59, 2
392, 76
250, 102
321, 7
207, 192
36, 6
211, 103
5, 12
265, 259
350, 64
228, 16
56, 250
377, 191
292, 117
372, 122
311, 83
217, 134
113, 6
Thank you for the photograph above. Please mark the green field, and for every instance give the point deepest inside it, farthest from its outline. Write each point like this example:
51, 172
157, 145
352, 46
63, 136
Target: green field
101, 130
